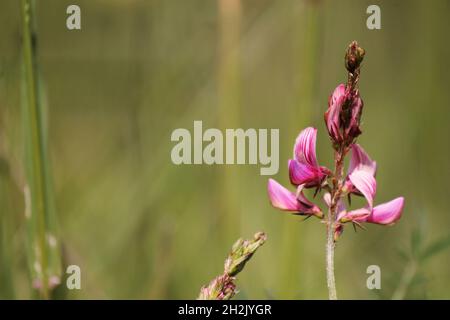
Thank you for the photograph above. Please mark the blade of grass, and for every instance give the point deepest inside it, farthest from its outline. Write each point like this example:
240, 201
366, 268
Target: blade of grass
6, 261
43, 251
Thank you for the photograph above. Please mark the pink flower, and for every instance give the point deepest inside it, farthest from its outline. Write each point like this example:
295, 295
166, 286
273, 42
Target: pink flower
343, 115
365, 183
283, 199
361, 181
361, 174
385, 214
304, 168
360, 160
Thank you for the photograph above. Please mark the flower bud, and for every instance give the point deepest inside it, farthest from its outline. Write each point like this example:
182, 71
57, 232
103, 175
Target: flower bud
220, 288
241, 252
353, 57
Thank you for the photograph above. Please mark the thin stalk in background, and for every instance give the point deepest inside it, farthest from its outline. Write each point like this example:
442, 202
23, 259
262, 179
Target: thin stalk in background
6, 226
228, 86
43, 251
307, 31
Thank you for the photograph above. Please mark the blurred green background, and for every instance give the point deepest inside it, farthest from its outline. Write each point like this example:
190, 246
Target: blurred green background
142, 227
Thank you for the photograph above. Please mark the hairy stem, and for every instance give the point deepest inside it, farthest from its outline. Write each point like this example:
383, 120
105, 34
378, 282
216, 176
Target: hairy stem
336, 193
331, 283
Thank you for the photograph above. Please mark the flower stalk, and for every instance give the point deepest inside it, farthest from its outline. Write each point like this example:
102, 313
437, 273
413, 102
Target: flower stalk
353, 59
342, 120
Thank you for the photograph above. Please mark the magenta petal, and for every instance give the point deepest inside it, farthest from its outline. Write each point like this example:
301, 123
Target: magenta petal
360, 160
300, 173
302, 199
387, 213
305, 147
332, 116
365, 183
304, 168
307, 207
353, 129
282, 198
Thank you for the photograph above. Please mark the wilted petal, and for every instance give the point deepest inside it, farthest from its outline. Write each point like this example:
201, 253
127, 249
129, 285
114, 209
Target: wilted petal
305, 147
387, 213
365, 182
360, 160
338, 230
353, 130
332, 116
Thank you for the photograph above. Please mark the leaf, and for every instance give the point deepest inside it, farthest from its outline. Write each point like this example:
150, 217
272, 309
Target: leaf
416, 242
43, 249
435, 248
402, 254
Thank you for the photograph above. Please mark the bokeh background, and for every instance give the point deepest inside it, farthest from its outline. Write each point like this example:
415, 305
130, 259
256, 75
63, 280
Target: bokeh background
142, 227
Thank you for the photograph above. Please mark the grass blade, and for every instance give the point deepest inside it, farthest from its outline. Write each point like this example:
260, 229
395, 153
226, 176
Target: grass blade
43, 251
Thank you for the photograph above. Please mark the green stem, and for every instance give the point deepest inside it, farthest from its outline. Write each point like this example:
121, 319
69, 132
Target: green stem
405, 282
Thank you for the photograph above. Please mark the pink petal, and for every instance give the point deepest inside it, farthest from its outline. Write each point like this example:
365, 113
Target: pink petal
359, 215
360, 160
353, 129
307, 206
387, 213
365, 183
305, 147
327, 198
332, 116
282, 198
300, 173
341, 209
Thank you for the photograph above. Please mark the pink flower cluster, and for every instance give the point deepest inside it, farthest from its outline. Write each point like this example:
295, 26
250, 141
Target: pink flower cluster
342, 121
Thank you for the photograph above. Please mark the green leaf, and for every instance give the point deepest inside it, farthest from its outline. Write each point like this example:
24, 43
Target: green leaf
435, 248
402, 254
416, 242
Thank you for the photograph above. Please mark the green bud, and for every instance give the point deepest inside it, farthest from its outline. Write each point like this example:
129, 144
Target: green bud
223, 286
241, 252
